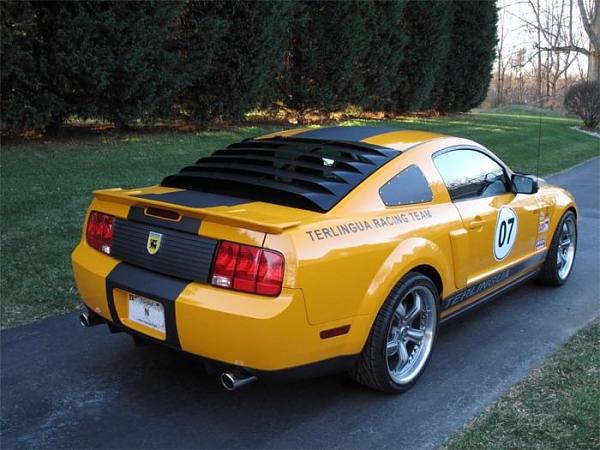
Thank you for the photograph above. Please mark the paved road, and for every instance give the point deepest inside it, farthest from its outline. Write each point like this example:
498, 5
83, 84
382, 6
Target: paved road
65, 386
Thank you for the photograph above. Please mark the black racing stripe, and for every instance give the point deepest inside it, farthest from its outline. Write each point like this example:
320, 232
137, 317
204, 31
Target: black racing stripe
186, 224
148, 284
195, 199
353, 133
489, 282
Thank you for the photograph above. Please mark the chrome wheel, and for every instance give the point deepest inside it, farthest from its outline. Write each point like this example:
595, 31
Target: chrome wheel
410, 335
566, 248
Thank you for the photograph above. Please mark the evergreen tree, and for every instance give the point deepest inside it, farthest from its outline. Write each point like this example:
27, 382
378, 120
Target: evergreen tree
138, 74
469, 68
17, 38
325, 61
429, 24
235, 50
387, 34
46, 59
92, 59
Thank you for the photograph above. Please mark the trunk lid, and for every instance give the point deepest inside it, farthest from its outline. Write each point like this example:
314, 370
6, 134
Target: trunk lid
221, 209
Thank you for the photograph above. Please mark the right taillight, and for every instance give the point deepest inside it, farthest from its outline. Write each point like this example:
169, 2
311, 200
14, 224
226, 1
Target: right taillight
99, 232
248, 269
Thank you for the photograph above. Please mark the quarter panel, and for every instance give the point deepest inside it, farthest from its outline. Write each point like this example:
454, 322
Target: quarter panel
347, 267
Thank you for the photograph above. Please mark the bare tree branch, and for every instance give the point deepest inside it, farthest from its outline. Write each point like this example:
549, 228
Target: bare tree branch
566, 49
587, 25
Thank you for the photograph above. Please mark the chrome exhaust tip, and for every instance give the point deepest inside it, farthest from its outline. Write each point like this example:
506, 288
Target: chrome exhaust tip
235, 379
89, 319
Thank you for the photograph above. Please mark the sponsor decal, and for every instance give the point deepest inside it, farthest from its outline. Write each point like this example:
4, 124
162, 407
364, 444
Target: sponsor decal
153, 243
359, 226
544, 225
507, 227
540, 244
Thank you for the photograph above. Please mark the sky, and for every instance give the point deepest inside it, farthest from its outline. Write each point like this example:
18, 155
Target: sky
516, 18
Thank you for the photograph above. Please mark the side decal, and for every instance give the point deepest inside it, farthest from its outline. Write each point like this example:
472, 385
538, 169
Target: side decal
507, 229
319, 234
544, 223
490, 282
540, 244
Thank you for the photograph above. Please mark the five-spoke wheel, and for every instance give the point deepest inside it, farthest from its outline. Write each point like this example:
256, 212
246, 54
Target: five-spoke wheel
400, 342
561, 254
410, 336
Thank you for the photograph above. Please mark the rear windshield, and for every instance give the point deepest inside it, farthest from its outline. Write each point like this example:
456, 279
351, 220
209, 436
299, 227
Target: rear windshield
301, 173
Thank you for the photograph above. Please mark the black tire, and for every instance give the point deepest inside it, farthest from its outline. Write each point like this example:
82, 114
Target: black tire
371, 369
550, 273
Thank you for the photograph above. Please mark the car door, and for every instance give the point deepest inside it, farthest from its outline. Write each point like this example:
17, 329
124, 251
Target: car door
501, 225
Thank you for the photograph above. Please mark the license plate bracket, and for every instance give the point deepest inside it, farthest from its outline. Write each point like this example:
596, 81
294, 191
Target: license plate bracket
147, 312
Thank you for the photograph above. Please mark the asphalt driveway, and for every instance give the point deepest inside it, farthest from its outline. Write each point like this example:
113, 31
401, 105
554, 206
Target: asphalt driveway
66, 386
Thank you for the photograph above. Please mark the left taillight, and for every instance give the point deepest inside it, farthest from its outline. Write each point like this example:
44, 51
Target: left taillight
248, 269
99, 232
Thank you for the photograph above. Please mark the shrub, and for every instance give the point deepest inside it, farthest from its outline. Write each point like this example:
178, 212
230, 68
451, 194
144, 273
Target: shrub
583, 100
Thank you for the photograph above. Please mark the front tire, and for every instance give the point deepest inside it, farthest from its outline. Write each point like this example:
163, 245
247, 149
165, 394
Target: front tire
561, 254
400, 342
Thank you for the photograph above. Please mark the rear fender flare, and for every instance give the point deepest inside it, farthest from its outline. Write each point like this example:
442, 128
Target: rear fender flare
409, 254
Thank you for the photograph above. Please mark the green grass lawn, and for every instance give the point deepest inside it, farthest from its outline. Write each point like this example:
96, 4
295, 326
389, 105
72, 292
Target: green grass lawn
557, 406
46, 187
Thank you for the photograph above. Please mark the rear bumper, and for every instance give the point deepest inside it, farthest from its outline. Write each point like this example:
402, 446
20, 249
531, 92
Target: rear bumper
261, 334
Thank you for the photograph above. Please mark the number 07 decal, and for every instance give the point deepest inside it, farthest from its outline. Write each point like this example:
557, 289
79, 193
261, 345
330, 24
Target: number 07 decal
507, 227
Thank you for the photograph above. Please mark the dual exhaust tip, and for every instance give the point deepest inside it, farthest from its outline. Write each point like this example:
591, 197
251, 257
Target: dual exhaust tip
231, 380
236, 378
90, 319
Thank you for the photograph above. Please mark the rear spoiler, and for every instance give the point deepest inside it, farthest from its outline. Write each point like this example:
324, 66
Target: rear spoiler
226, 216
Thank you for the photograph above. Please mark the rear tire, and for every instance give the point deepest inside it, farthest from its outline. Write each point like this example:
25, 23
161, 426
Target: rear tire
561, 254
399, 345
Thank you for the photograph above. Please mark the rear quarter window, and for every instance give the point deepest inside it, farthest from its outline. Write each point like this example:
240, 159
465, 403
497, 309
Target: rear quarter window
406, 188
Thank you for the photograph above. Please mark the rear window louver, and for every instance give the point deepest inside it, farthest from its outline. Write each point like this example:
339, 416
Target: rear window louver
302, 173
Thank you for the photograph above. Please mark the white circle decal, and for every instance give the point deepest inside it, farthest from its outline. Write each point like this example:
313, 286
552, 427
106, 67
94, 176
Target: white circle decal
505, 236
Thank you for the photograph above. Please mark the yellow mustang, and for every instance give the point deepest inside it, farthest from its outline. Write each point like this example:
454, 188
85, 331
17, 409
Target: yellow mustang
312, 251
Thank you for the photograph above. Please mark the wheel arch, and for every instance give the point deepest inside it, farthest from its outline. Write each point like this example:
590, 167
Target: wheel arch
411, 255
431, 273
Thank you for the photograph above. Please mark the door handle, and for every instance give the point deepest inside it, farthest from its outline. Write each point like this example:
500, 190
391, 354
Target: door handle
476, 223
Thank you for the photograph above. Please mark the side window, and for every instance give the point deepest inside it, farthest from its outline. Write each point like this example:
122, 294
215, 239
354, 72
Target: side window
471, 174
408, 187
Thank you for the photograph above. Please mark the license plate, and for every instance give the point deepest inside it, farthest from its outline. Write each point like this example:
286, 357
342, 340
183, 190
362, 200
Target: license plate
146, 312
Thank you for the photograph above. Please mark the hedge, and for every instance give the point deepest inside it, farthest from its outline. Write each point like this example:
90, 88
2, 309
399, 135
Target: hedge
203, 60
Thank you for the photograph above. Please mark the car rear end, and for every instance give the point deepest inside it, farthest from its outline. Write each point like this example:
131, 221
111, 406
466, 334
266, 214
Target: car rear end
204, 262
210, 288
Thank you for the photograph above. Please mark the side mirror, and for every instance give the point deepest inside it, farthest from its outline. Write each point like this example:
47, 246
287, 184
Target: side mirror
524, 184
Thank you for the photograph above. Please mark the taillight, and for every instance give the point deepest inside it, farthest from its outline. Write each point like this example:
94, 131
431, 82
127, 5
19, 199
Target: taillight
99, 231
247, 268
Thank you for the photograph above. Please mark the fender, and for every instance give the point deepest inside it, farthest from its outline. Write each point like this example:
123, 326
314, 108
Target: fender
556, 201
411, 253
